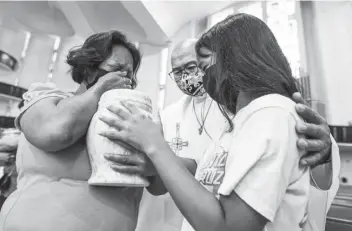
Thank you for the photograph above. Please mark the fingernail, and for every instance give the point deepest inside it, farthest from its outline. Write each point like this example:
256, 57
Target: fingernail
302, 127
302, 143
107, 155
112, 165
300, 107
303, 162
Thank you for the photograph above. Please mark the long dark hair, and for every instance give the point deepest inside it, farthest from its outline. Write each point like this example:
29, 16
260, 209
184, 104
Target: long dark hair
248, 58
85, 60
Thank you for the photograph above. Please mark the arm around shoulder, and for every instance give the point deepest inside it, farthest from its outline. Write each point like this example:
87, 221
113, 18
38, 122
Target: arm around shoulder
253, 187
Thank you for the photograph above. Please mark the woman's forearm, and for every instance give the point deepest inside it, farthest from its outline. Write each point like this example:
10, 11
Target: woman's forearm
157, 186
200, 207
53, 124
75, 114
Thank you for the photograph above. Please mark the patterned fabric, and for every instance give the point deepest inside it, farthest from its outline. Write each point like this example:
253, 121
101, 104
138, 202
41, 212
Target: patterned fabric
191, 84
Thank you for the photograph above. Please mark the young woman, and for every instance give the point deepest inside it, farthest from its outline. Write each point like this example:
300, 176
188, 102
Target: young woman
250, 179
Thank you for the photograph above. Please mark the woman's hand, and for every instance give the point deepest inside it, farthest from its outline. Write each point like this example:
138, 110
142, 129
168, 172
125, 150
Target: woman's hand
112, 80
317, 132
134, 163
133, 128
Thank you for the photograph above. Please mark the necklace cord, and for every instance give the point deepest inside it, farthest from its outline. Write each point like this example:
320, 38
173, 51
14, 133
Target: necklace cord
203, 118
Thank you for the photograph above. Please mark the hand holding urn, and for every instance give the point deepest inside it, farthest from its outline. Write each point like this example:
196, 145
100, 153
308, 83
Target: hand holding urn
98, 146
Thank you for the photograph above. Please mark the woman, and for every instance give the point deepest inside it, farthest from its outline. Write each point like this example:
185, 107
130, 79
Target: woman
52, 160
250, 179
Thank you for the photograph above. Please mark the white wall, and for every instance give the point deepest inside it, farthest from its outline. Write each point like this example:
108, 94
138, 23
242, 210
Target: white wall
328, 34
61, 76
149, 72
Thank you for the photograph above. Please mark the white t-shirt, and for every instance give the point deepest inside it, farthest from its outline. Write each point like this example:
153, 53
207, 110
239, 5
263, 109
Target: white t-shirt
259, 160
181, 126
179, 120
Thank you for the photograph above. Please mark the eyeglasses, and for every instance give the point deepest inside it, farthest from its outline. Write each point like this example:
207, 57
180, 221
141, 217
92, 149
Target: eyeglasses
189, 69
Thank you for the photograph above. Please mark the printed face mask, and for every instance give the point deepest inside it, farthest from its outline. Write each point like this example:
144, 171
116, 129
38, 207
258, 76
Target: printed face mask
191, 84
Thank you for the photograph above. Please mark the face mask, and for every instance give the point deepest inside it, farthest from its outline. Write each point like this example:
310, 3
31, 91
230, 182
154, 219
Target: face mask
191, 84
209, 82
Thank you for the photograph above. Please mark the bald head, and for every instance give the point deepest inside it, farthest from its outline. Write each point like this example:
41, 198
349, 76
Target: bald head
183, 53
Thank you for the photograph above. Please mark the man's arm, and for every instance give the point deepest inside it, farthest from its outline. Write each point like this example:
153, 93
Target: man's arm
326, 176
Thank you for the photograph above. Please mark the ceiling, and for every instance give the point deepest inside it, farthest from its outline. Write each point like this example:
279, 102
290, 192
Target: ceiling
150, 21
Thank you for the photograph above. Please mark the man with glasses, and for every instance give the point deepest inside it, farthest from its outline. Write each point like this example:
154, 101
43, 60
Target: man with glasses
193, 122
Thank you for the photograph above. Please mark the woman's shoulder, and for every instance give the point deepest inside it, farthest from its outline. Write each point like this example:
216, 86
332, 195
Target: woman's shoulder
38, 90
269, 110
273, 103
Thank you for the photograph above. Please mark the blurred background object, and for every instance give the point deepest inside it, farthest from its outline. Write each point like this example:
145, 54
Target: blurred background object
8, 175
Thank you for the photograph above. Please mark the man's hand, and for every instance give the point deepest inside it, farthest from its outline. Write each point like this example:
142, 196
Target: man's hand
317, 132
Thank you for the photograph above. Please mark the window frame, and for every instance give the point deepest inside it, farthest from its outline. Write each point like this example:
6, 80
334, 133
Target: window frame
299, 71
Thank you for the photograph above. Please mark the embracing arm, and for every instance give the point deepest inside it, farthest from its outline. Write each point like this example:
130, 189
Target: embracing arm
327, 176
53, 123
322, 151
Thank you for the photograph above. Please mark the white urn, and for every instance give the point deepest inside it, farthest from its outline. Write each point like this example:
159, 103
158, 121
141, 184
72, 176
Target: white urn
97, 145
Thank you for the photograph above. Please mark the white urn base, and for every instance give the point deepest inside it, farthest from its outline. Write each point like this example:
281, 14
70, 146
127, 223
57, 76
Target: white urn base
114, 179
